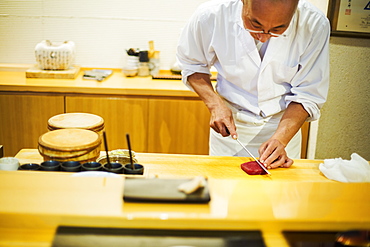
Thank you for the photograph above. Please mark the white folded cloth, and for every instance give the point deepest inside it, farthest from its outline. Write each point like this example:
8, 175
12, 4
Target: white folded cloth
193, 185
355, 170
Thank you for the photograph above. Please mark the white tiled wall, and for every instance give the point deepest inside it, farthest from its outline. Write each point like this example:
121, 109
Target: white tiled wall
101, 29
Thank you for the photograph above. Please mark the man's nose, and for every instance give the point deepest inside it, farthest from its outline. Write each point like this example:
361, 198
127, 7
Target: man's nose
263, 37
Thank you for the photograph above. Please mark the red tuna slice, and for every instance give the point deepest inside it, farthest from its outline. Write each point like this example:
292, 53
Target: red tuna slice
252, 168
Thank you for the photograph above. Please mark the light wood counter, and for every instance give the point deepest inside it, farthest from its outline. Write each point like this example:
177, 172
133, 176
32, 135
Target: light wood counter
298, 198
116, 84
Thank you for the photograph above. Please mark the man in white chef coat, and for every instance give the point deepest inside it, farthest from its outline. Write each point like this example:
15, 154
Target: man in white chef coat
272, 59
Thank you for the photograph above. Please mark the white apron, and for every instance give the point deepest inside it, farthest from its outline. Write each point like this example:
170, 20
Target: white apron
253, 130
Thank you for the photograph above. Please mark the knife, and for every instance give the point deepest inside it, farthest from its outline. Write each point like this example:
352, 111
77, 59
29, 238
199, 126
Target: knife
258, 162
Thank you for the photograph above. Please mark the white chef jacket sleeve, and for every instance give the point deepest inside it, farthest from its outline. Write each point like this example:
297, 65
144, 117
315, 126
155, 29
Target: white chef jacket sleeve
194, 51
311, 83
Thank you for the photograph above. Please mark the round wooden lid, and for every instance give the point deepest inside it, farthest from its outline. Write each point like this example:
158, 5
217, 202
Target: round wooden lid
76, 120
70, 139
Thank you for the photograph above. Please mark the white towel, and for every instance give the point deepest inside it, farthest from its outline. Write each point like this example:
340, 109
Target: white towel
355, 170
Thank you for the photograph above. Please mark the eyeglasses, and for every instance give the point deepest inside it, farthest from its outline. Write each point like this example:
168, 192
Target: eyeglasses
263, 32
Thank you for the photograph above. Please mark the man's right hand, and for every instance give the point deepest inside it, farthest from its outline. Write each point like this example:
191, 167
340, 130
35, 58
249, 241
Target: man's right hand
222, 120
221, 116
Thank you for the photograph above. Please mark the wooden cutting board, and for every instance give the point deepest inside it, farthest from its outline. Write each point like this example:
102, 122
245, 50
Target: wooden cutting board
70, 144
35, 72
162, 190
70, 140
76, 120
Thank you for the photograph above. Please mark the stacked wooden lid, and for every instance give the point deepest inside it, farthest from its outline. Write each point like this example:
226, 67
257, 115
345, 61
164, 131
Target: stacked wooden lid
70, 144
72, 136
77, 120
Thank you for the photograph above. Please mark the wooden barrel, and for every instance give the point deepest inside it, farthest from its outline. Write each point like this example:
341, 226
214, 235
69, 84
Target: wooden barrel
77, 120
70, 145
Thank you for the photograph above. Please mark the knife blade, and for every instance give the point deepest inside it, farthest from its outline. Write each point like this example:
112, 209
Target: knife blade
258, 162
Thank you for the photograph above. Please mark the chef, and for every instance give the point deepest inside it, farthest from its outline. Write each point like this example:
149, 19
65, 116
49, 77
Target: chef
272, 59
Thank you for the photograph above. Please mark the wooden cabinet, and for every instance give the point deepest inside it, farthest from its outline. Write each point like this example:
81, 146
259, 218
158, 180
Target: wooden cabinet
169, 125
121, 115
178, 126
156, 125
23, 118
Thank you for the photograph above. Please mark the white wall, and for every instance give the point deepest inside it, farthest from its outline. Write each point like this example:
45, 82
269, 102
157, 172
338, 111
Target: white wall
321, 4
344, 123
101, 29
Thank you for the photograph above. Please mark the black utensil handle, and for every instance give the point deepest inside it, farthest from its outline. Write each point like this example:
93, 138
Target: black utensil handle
129, 150
106, 149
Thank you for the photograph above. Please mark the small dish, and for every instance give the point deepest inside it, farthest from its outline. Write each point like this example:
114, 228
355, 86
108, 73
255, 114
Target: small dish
30, 167
114, 168
71, 166
138, 169
50, 165
91, 166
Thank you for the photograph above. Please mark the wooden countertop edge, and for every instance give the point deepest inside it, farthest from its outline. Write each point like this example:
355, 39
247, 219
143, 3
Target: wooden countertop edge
117, 84
272, 232
23, 67
96, 91
14, 67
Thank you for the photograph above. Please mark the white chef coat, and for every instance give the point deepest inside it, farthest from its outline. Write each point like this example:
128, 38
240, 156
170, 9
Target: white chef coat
252, 131
294, 67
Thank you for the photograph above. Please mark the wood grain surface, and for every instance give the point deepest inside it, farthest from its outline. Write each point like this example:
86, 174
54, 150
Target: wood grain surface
298, 198
24, 118
121, 115
178, 126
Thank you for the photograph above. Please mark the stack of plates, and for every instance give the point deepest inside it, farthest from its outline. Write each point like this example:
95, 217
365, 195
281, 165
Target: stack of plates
70, 144
77, 121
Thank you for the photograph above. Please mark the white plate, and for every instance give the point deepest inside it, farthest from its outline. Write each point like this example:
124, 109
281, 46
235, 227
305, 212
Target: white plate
95, 174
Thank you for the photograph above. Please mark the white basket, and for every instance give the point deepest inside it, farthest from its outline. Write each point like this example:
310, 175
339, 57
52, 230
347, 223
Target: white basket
55, 56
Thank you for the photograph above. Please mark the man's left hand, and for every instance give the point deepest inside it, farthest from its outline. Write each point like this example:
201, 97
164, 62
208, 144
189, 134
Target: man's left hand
273, 154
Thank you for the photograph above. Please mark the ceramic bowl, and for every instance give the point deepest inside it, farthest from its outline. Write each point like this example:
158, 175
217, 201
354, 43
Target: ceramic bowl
130, 72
